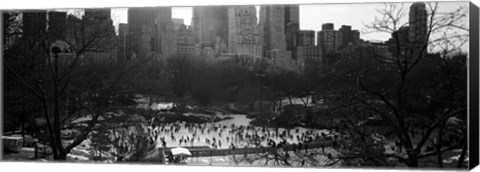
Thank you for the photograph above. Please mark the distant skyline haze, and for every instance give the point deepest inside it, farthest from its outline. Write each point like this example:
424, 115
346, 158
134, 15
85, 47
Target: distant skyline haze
312, 16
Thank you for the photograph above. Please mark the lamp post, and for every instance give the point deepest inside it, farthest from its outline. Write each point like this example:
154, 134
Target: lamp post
56, 116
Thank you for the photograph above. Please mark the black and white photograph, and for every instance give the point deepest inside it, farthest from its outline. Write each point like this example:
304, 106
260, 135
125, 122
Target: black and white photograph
319, 85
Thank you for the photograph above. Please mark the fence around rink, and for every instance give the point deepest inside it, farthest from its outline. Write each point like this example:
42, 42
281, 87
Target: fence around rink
206, 152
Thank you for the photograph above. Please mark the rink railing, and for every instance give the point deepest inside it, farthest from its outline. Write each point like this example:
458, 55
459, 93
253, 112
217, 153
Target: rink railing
206, 152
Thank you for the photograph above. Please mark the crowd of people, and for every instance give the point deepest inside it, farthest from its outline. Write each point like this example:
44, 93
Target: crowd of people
223, 136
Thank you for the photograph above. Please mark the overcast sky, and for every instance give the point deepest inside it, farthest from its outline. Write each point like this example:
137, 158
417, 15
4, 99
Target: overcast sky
312, 16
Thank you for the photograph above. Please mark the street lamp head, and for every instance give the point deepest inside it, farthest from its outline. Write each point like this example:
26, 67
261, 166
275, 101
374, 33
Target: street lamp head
56, 50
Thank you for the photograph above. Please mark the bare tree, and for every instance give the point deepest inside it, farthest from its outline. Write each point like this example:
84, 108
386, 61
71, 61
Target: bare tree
56, 76
400, 106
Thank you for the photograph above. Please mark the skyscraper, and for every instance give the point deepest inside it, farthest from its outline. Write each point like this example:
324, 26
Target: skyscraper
177, 22
292, 25
346, 34
272, 21
164, 41
141, 28
307, 55
34, 23
100, 24
122, 41
292, 15
411, 38
417, 23
57, 23
185, 41
210, 23
243, 32
305, 38
34, 30
139, 19
99, 14
329, 39
327, 26
311, 57
399, 47
355, 35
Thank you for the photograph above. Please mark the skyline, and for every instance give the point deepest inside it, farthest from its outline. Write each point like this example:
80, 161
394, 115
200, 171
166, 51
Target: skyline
312, 16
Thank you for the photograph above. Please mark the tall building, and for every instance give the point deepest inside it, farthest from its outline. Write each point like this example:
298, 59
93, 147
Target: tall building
177, 22
327, 26
34, 29
122, 41
163, 14
355, 37
57, 23
185, 41
196, 23
34, 24
418, 29
100, 19
101, 24
411, 39
417, 23
272, 21
382, 49
346, 34
243, 32
56, 31
141, 27
210, 23
311, 57
400, 46
308, 56
292, 25
164, 41
100, 14
329, 39
305, 38
72, 31
282, 61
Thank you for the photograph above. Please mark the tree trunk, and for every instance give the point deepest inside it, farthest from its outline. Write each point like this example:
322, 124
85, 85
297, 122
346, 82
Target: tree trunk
23, 119
57, 131
412, 162
439, 156
23, 133
280, 106
439, 145
60, 156
35, 150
